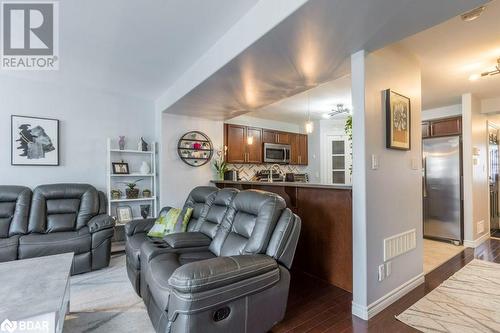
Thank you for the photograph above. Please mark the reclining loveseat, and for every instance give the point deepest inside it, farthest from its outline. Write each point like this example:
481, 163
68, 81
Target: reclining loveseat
228, 273
56, 219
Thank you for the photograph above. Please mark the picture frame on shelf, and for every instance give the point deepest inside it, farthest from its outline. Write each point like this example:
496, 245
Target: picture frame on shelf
398, 120
120, 168
124, 214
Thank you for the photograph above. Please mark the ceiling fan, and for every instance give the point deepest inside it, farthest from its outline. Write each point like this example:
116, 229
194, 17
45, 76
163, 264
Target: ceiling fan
340, 109
493, 72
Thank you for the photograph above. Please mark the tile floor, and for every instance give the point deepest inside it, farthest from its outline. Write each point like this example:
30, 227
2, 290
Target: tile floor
436, 253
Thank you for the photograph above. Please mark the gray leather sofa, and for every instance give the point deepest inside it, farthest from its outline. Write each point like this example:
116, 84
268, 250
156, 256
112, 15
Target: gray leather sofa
55, 219
229, 273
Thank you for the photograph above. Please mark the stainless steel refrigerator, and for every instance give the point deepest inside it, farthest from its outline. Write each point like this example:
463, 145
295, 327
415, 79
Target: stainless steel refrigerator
442, 188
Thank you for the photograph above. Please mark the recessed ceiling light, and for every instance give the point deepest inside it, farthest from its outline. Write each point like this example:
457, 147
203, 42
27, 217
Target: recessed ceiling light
473, 14
474, 77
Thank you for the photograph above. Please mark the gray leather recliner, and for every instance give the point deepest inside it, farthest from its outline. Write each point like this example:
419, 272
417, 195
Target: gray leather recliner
56, 219
136, 231
237, 281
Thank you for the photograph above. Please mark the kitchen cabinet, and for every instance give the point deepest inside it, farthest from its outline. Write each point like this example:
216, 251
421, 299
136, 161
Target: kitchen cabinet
426, 129
270, 136
448, 126
298, 151
442, 127
240, 148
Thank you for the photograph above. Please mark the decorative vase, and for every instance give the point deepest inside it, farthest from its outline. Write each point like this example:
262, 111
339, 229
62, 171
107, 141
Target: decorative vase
145, 169
142, 145
132, 193
146, 193
121, 142
116, 194
145, 211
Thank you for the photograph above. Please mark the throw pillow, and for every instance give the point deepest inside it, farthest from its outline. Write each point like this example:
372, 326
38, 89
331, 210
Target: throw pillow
175, 220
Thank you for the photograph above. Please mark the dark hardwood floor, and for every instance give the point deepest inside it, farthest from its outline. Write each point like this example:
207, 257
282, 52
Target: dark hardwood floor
316, 306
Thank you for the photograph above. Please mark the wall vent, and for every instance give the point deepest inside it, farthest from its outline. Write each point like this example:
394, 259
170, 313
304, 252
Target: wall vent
398, 244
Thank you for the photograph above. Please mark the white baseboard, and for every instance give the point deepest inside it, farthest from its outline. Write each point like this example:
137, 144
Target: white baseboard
367, 312
477, 242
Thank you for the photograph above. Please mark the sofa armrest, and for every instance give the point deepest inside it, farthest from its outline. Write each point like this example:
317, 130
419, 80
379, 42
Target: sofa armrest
100, 222
221, 271
137, 226
187, 239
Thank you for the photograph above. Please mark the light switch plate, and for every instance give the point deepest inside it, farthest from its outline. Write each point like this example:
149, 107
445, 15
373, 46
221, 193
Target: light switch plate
375, 162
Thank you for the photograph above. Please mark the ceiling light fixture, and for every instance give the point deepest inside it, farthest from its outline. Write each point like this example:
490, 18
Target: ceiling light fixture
473, 14
494, 71
339, 110
309, 123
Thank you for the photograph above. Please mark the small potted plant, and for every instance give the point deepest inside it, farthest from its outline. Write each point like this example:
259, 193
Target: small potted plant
220, 164
131, 192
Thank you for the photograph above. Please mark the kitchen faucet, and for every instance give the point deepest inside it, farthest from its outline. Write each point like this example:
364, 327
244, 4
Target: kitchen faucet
271, 169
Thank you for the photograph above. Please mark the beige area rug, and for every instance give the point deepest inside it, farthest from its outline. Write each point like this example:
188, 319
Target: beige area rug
468, 302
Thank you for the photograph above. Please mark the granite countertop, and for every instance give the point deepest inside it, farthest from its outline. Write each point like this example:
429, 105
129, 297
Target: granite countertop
286, 184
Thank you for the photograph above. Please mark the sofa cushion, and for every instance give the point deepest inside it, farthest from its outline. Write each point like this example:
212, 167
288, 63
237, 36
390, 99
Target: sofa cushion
210, 223
249, 223
8, 248
37, 245
62, 207
197, 199
187, 239
15, 202
160, 269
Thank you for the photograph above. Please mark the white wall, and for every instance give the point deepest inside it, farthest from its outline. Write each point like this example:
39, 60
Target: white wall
490, 105
442, 112
178, 178
86, 118
248, 120
475, 172
386, 201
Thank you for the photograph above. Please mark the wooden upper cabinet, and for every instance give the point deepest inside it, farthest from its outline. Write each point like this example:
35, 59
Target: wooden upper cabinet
283, 138
254, 150
268, 136
426, 129
448, 126
303, 153
294, 149
235, 141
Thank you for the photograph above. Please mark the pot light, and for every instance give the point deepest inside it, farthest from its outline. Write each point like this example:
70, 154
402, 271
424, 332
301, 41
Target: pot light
473, 14
474, 77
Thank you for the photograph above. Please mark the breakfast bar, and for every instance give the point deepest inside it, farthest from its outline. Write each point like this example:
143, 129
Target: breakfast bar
325, 244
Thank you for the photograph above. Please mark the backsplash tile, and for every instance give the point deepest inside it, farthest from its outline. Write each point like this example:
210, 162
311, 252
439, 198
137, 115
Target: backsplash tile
247, 171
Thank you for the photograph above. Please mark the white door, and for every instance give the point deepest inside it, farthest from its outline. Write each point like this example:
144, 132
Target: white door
339, 160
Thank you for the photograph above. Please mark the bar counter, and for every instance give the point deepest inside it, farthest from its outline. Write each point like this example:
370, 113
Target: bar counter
325, 244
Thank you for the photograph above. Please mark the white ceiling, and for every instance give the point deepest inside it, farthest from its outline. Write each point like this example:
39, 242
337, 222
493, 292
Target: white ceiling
450, 52
320, 100
310, 47
135, 47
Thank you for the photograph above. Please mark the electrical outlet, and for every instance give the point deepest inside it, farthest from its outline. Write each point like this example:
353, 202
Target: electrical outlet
375, 162
388, 268
480, 227
381, 272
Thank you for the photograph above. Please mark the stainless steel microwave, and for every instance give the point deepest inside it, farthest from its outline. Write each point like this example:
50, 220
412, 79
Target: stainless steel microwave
276, 153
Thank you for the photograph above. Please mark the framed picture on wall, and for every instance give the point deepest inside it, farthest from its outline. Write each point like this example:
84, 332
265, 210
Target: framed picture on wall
34, 141
398, 120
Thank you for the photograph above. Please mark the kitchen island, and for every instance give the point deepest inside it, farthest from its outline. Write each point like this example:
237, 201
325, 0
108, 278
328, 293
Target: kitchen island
325, 244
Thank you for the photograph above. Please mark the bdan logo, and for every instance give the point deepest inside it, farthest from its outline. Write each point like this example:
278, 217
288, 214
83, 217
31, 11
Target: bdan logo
8, 326
29, 35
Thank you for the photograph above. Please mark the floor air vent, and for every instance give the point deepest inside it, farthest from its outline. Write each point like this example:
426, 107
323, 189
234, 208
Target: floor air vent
398, 244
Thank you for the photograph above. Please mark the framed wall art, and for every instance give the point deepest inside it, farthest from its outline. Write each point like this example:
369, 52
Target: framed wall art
398, 120
34, 141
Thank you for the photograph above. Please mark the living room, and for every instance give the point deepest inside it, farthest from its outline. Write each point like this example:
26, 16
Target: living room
219, 166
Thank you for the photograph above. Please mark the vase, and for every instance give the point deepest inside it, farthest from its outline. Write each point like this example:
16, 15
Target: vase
132, 193
146, 193
145, 211
121, 142
145, 169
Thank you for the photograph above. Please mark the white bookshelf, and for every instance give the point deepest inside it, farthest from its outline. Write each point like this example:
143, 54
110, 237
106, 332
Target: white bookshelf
134, 158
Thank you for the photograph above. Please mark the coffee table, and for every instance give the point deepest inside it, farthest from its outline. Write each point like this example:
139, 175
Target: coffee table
35, 293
